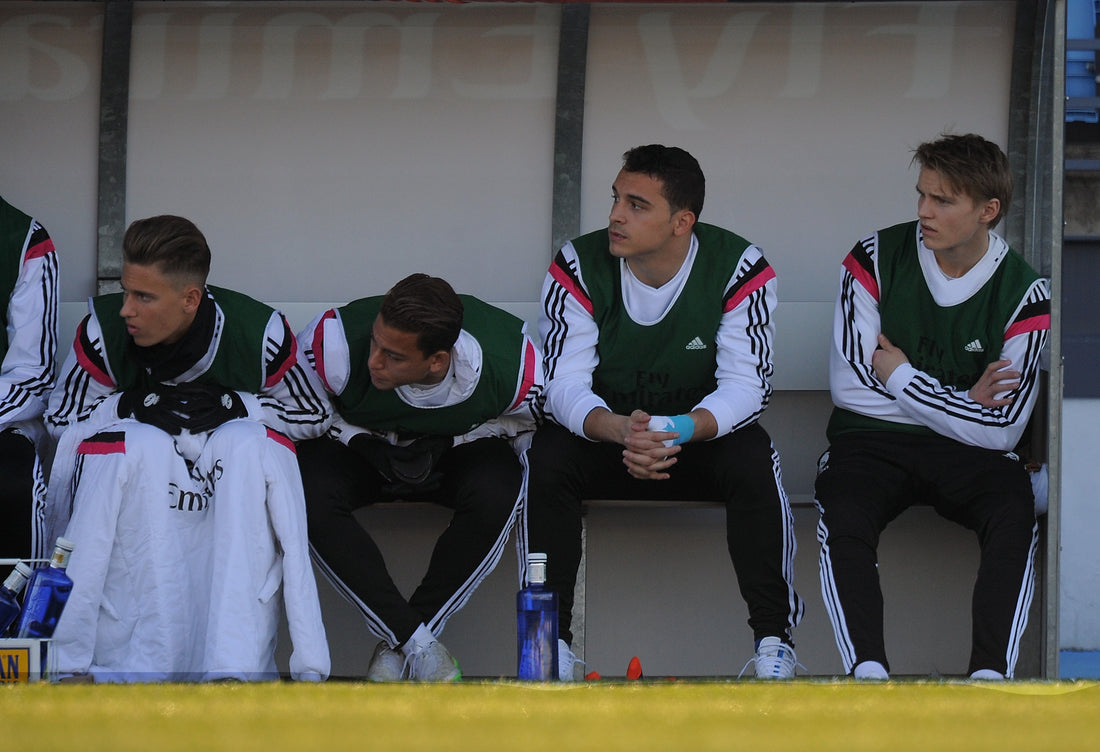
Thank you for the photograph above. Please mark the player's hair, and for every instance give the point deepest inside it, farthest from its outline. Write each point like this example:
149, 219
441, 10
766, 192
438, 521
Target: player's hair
427, 307
971, 165
173, 244
682, 183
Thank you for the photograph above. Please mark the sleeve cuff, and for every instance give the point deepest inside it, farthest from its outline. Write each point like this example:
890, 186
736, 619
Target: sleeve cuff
580, 409
253, 406
723, 416
900, 378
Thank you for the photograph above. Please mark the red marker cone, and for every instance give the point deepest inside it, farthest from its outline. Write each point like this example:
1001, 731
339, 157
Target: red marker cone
634, 669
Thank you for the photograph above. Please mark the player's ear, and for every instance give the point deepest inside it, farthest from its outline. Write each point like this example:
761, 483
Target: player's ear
439, 362
684, 220
192, 296
990, 209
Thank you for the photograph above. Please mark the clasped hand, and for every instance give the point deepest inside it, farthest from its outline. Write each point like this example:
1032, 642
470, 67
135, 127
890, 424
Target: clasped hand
645, 455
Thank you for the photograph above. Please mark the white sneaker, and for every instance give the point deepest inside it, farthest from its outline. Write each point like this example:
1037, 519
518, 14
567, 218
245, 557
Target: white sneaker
433, 663
1040, 487
870, 670
774, 659
566, 661
386, 665
987, 674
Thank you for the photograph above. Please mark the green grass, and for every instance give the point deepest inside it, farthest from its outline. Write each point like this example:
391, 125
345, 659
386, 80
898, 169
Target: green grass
491, 715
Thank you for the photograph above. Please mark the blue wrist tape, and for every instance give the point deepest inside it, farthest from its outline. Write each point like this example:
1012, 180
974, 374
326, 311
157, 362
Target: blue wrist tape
684, 425
681, 424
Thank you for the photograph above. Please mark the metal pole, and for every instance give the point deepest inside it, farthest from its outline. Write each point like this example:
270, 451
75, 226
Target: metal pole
569, 123
114, 102
1035, 150
1057, 33
566, 211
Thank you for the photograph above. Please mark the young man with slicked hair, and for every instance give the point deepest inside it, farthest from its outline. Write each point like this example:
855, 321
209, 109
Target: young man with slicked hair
176, 414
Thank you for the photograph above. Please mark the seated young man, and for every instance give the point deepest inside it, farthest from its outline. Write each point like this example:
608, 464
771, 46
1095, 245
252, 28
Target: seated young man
28, 346
934, 371
176, 413
657, 334
435, 396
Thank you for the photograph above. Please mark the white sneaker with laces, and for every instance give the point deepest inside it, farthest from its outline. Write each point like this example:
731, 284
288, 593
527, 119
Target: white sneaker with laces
386, 665
871, 671
566, 661
774, 659
433, 663
987, 674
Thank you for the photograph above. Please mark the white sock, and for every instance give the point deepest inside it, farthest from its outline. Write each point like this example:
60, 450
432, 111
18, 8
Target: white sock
420, 639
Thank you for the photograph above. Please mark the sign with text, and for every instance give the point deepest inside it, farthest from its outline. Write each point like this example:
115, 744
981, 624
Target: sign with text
22, 661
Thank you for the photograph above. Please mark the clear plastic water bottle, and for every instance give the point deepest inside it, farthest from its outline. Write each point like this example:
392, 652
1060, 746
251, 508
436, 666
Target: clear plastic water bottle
9, 595
47, 594
537, 625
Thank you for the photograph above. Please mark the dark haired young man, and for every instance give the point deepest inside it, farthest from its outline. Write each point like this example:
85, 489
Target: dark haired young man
175, 414
657, 335
435, 396
28, 346
934, 371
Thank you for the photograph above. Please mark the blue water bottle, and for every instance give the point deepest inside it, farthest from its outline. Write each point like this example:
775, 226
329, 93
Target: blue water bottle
47, 594
537, 625
9, 595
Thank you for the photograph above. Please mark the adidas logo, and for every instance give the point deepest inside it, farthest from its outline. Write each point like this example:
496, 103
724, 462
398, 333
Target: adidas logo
975, 346
696, 344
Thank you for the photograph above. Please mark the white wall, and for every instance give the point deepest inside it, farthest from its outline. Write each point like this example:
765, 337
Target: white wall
49, 126
803, 115
343, 146
327, 149
1079, 583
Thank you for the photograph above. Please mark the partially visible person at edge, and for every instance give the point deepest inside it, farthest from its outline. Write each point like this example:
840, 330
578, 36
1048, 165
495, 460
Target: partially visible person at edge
28, 345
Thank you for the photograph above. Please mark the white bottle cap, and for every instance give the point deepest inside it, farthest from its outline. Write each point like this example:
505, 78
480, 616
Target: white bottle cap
61, 553
18, 577
536, 568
